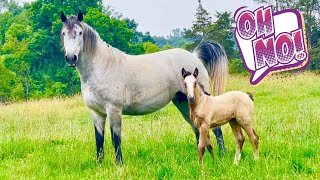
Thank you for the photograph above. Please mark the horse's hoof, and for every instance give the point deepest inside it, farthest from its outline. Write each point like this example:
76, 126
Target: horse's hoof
119, 163
100, 159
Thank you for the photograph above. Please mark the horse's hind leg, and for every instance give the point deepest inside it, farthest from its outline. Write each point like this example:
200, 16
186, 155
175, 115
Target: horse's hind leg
236, 129
254, 138
181, 102
99, 125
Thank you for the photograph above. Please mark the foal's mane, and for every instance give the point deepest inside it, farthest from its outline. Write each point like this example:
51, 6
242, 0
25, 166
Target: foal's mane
200, 85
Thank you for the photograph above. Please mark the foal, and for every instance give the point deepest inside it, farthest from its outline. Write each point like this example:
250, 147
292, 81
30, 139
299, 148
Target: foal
207, 112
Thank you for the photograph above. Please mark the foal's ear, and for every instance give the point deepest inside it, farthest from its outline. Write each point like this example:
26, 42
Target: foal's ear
63, 17
183, 73
196, 73
80, 16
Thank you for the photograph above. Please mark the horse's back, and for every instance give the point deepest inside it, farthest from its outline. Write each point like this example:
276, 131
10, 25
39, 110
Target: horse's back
170, 63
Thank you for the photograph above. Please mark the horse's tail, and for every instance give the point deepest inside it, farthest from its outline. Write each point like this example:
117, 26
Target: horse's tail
216, 63
250, 95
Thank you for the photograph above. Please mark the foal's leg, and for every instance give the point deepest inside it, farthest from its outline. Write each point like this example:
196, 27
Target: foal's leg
209, 144
236, 129
115, 118
203, 140
99, 125
181, 102
254, 138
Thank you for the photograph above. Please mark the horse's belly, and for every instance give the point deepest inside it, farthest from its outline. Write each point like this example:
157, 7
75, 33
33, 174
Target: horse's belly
146, 106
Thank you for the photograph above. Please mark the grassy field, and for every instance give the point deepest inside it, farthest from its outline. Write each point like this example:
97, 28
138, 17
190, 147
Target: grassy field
54, 139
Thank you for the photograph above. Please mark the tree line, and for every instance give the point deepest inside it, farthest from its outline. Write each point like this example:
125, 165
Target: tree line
32, 63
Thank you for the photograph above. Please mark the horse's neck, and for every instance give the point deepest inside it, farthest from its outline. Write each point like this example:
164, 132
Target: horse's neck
200, 98
105, 58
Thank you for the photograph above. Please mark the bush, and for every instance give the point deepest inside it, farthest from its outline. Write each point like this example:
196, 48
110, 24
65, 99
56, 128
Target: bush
236, 66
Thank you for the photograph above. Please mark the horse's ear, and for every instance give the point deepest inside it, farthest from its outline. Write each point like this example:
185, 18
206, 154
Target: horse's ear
196, 73
63, 17
80, 16
183, 73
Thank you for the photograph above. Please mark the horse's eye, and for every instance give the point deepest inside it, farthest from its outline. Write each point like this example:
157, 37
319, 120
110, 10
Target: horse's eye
63, 34
80, 33
195, 85
184, 84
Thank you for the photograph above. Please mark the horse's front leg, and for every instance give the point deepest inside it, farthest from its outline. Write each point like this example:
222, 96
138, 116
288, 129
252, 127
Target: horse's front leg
115, 118
99, 121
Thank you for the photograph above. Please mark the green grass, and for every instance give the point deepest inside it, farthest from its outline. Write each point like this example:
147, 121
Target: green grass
54, 139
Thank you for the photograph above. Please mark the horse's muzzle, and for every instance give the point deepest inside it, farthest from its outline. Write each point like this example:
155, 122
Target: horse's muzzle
191, 99
71, 60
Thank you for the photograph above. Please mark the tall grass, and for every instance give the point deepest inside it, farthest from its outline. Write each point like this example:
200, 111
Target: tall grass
54, 139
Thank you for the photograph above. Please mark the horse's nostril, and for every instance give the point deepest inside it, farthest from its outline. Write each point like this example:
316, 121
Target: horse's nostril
66, 57
191, 99
75, 57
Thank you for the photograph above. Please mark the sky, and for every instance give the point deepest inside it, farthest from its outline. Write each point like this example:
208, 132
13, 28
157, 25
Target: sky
160, 17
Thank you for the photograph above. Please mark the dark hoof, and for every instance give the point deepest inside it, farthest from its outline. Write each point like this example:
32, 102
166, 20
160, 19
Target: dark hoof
100, 159
222, 150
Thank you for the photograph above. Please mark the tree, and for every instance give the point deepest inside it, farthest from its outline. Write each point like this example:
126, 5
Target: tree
202, 22
221, 31
6, 80
149, 47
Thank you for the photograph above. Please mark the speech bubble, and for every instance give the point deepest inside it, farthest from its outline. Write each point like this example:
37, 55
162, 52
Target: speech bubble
270, 41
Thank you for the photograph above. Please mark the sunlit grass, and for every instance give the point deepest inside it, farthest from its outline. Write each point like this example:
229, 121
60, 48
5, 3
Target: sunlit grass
55, 139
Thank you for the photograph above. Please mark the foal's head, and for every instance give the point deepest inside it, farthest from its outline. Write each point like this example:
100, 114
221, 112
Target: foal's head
72, 37
190, 83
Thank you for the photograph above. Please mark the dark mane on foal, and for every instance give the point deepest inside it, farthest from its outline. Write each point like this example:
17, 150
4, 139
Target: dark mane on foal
203, 90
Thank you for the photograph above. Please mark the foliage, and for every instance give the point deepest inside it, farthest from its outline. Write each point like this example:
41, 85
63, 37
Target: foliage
149, 47
175, 39
31, 51
221, 31
236, 66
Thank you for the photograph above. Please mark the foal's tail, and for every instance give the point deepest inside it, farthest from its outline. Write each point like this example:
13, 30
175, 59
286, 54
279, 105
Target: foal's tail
250, 95
216, 63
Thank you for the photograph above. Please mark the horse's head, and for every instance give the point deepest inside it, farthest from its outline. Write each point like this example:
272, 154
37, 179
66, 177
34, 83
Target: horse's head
190, 83
72, 37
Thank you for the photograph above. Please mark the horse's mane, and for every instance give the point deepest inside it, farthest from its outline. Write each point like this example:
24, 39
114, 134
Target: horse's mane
200, 85
90, 37
202, 88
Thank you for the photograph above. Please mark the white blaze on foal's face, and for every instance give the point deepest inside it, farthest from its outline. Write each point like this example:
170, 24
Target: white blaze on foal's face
73, 43
190, 83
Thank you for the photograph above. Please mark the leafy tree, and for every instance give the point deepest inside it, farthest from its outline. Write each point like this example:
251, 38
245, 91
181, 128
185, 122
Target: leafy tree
6, 80
149, 47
